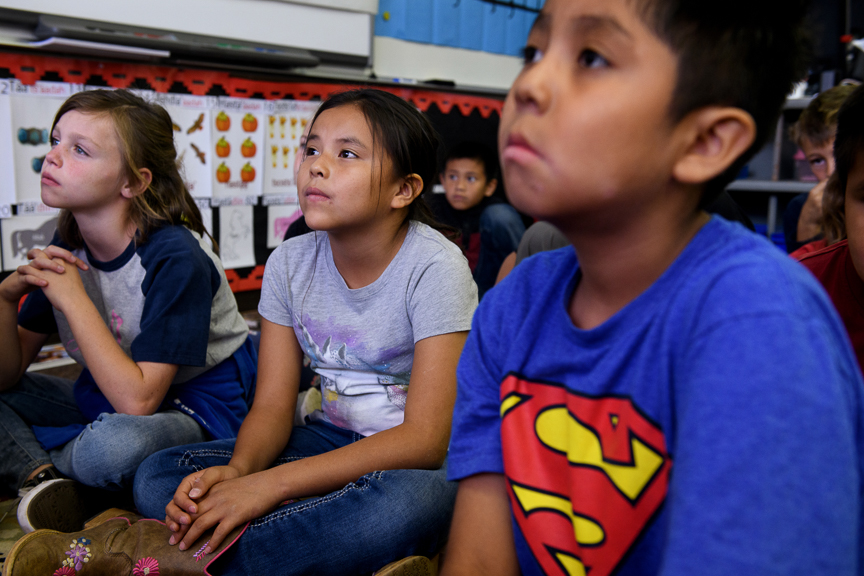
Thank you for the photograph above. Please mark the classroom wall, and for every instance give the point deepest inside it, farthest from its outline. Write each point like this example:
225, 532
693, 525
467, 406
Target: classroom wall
264, 21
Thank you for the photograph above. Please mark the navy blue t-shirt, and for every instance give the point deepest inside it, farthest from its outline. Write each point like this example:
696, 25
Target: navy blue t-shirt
711, 426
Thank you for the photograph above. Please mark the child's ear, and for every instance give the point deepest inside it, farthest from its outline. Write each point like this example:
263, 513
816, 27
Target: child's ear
714, 137
409, 190
130, 190
490, 187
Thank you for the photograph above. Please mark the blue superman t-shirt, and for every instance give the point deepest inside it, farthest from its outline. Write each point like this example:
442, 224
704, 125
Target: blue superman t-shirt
715, 425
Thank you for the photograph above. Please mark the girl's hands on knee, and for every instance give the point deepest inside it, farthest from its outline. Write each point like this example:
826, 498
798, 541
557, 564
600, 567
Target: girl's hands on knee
228, 505
182, 510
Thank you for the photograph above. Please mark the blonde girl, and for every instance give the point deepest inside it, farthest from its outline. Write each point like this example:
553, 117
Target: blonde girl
139, 300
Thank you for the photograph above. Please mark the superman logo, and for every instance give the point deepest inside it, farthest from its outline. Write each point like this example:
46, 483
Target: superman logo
585, 475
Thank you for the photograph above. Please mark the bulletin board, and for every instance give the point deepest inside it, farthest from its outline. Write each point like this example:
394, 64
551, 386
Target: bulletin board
236, 137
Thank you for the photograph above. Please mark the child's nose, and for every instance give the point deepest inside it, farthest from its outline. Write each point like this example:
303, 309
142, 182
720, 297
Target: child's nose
533, 87
53, 157
318, 167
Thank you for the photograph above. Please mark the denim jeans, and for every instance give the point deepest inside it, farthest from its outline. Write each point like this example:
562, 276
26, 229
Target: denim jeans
358, 529
501, 228
105, 455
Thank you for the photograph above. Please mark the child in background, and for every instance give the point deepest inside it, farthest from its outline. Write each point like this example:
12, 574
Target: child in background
814, 134
684, 399
840, 266
382, 303
490, 228
139, 300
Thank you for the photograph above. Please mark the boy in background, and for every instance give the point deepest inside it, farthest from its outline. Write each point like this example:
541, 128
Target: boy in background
840, 266
814, 134
683, 400
490, 228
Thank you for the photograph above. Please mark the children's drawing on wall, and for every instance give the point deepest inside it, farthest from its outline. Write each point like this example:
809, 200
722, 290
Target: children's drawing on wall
20, 234
32, 114
190, 116
279, 217
236, 244
237, 142
286, 120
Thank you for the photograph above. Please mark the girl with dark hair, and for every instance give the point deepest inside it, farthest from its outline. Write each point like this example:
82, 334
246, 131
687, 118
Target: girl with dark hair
139, 300
381, 303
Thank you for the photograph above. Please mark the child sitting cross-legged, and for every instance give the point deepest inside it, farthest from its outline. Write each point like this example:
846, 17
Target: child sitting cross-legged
669, 394
139, 300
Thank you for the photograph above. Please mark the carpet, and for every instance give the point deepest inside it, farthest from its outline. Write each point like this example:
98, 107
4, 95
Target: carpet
10, 532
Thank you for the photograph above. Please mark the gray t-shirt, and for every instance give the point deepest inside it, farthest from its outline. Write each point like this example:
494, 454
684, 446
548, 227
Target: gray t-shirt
361, 342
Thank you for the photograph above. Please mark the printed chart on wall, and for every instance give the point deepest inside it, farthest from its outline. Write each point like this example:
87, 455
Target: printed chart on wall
286, 121
32, 111
236, 236
237, 142
20, 234
7, 166
190, 116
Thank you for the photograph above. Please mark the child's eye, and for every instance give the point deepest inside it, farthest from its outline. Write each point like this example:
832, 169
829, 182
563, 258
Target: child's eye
54, 141
531, 55
472, 179
591, 59
347, 154
452, 177
310, 151
817, 161
79, 150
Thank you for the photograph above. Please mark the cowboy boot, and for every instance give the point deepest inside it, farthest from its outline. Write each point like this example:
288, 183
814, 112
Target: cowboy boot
124, 545
410, 566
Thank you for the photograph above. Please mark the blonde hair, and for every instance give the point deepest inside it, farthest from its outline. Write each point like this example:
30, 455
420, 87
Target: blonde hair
146, 141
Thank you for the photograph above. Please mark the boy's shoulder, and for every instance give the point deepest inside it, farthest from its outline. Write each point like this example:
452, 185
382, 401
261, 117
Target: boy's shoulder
724, 271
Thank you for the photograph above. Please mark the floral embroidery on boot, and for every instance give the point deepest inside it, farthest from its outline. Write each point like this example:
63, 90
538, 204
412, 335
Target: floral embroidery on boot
78, 554
146, 567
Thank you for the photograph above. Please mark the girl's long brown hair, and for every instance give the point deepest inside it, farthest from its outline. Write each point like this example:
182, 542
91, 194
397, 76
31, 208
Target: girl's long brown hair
146, 141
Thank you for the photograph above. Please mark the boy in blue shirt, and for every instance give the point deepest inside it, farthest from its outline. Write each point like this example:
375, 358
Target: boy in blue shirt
683, 400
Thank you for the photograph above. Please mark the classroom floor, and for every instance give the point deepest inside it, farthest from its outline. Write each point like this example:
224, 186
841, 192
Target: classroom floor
10, 532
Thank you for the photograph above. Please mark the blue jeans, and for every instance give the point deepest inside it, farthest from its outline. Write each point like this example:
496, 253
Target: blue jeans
105, 455
501, 228
380, 518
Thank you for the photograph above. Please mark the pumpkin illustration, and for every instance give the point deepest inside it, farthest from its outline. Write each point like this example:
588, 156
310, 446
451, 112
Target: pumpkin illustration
223, 148
223, 122
247, 173
223, 173
250, 123
248, 148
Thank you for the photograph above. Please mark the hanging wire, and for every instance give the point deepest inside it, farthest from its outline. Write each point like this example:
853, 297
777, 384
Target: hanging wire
527, 5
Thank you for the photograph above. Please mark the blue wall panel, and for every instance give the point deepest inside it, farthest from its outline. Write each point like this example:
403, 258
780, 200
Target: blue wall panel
471, 24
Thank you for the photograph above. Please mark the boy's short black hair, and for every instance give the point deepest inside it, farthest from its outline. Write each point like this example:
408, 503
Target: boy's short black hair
474, 151
741, 53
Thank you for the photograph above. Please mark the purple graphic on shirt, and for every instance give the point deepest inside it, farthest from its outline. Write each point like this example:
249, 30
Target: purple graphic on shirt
116, 323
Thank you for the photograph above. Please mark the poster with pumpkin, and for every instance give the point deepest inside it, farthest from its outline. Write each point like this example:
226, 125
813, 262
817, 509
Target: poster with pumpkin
32, 109
286, 120
237, 141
